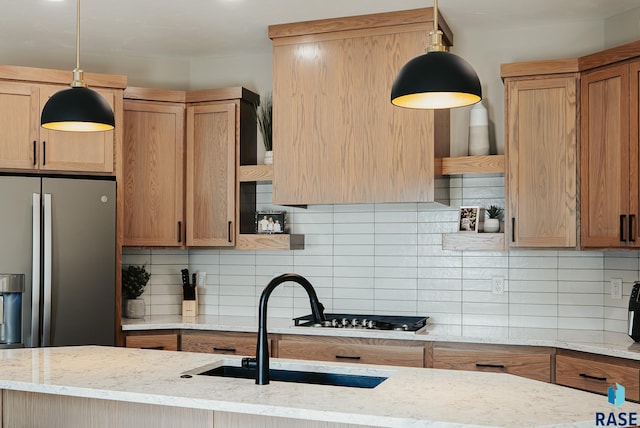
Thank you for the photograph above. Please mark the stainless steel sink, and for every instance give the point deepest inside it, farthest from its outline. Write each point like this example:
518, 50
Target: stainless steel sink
296, 376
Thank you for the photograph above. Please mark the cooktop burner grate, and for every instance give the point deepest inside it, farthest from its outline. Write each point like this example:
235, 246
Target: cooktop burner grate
370, 322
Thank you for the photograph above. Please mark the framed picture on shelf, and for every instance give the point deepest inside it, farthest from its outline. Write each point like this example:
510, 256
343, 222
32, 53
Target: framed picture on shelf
270, 221
470, 218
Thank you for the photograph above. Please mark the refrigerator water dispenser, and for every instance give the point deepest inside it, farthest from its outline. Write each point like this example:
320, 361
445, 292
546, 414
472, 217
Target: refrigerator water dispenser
11, 289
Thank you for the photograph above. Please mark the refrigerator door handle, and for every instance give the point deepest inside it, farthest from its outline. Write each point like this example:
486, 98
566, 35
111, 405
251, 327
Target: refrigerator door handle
35, 273
46, 298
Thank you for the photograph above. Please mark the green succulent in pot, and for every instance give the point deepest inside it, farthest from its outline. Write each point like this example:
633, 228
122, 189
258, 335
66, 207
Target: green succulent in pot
494, 212
134, 280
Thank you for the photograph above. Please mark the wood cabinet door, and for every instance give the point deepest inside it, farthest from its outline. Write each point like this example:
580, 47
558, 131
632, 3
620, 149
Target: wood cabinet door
605, 184
167, 342
76, 151
20, 127
210, 198
634, 150
542, 162
153, 174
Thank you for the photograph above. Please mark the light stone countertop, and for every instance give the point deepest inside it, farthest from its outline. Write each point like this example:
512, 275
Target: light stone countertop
615, 345
410, 397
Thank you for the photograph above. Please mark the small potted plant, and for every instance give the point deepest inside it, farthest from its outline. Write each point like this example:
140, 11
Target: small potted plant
492, 224
264, 116
134, 280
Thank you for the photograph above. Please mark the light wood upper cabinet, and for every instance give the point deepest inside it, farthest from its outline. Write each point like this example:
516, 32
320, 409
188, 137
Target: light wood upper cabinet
211, 159
336, 136
153, 173
609, 159
541, 120
19, 132
25, 145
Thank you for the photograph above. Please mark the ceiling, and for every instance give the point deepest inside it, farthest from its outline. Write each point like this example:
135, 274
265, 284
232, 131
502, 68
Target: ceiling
195, 28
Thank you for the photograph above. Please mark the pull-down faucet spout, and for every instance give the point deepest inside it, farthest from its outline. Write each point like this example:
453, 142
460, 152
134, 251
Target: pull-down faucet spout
262, 347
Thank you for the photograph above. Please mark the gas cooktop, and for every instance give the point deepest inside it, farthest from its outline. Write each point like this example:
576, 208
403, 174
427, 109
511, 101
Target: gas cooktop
369, 322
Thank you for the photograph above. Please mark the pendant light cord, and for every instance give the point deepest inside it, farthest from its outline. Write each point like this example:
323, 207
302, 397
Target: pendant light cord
78, 81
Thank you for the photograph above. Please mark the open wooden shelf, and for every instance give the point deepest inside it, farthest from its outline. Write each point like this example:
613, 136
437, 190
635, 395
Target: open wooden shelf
275, 241
473, 165
473, 241
250, 173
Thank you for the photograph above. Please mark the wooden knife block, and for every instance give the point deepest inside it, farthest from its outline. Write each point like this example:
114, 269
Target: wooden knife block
190, 307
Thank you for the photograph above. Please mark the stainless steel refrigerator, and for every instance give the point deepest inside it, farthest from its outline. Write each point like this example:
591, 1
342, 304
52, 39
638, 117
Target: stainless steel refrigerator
60, 233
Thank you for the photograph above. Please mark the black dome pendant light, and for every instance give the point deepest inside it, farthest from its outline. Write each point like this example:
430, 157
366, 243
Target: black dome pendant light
437, 79
77, 108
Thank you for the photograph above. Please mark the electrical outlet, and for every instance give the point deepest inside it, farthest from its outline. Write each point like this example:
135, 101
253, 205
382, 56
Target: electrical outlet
201, 279
497, 285
616, 288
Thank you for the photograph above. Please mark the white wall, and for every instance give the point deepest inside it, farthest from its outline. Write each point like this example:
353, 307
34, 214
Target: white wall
623, 28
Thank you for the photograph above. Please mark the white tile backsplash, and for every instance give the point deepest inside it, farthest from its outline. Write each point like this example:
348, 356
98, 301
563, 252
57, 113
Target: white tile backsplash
388, 258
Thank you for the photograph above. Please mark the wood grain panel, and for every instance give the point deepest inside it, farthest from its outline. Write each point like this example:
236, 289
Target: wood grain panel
270, 242
76, 151
167, 342
152, 94
477, 241
326, 350
539, 68
597, 376
20, 112
34, 410
610, 56
516, 360
337, 138
542, 162
249, 173
153, 183
473, 165
221, 343
211, 159
604, 157
62, 77
362, 22
234, 420
634, 151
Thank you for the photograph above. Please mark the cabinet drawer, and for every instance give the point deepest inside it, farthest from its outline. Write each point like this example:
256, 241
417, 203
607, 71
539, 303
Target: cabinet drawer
597, 376
533, 365
221, 344
409, 356
167, 342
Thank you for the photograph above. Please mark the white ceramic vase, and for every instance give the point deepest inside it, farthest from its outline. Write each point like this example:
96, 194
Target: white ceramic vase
478, 131
134, 308
268, 157
491, 225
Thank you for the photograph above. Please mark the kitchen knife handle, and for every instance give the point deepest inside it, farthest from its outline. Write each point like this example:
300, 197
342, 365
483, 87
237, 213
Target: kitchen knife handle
632, 235
229, 231
491, 366
179, 231
348, 357
44, 153
600, 379
513, 229
623, 218
35, 153
215, 348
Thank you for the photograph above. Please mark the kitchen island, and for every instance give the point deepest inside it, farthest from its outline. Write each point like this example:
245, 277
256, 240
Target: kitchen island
104, 387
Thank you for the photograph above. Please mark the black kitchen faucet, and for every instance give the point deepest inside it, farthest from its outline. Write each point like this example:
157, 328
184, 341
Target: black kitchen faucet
261, 361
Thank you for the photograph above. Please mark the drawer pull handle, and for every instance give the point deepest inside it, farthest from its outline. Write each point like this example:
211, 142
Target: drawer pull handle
215, 348
492, 366
601, 379
347, 357
160, 348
